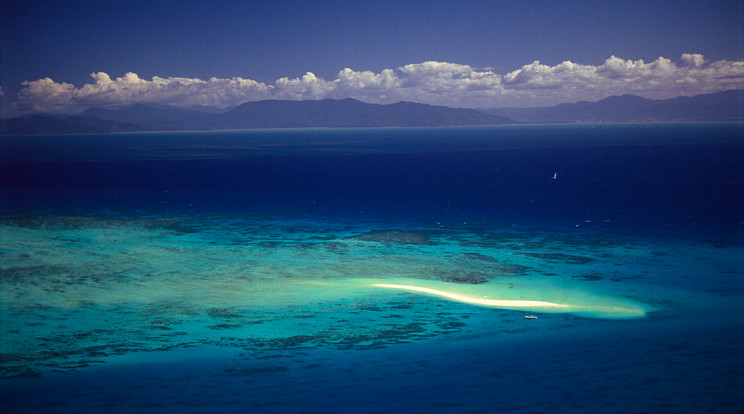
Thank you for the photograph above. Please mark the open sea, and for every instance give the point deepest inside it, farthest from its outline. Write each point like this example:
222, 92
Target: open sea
238, 271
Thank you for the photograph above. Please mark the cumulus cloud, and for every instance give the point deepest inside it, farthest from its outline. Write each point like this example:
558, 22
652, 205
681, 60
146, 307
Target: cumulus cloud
367, 85
45, 95
693, 59
659, 79
539, 76
440, 83
449, 84
307, 87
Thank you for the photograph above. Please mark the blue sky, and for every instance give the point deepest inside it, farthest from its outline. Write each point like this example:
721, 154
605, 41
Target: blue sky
393, 50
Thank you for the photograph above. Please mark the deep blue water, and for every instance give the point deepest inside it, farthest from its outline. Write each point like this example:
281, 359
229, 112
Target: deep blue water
677, 175
676, 187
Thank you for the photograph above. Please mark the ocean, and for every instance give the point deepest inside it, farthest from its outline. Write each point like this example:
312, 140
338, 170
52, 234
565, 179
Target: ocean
521, 269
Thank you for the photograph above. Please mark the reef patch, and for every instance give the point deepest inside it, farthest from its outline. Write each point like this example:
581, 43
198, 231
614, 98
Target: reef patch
558, 257
421, 238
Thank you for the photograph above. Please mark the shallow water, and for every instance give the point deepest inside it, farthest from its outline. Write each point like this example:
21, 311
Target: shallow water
219, 272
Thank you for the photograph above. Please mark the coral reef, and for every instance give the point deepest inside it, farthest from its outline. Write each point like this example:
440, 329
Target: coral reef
421, 238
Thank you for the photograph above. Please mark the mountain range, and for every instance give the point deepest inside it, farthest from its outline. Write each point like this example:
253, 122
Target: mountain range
720, 106
331, 113
326, 113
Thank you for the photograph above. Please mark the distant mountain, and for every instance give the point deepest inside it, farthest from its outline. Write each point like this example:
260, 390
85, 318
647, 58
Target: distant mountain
210, 109
48, 124
334, 113
328, 113
721, 106
148, 116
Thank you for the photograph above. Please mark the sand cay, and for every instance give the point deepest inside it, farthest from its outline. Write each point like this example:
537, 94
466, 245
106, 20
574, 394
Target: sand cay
591, 306
499, 303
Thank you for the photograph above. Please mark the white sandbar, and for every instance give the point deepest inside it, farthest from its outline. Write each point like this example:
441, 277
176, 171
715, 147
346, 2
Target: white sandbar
499, 303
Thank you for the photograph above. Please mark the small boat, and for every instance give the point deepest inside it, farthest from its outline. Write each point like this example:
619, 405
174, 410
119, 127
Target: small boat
530, 317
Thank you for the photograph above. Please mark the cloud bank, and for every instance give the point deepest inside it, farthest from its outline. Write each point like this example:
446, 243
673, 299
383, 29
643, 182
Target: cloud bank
438, 83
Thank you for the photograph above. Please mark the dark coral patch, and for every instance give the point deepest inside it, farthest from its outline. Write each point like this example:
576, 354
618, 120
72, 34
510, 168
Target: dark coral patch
175, 224
507, 269
478, 256
591, 277
222, 313
225, 326
30, 273
473, 278
401, 237
253, 370
295, 341
558, 257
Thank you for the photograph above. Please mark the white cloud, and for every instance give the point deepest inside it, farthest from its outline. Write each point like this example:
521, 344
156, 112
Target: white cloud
48, 96
659, 79
695, 59
451, 84
441, 83
307, 87
539, 76
367, 85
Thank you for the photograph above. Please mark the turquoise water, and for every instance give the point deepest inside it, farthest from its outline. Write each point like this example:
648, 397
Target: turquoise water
234, 272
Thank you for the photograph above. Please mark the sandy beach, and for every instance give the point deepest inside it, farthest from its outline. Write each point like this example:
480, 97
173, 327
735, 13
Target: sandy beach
499, 303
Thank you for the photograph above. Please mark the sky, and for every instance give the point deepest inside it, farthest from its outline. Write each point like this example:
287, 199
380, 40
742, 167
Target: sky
65, 56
